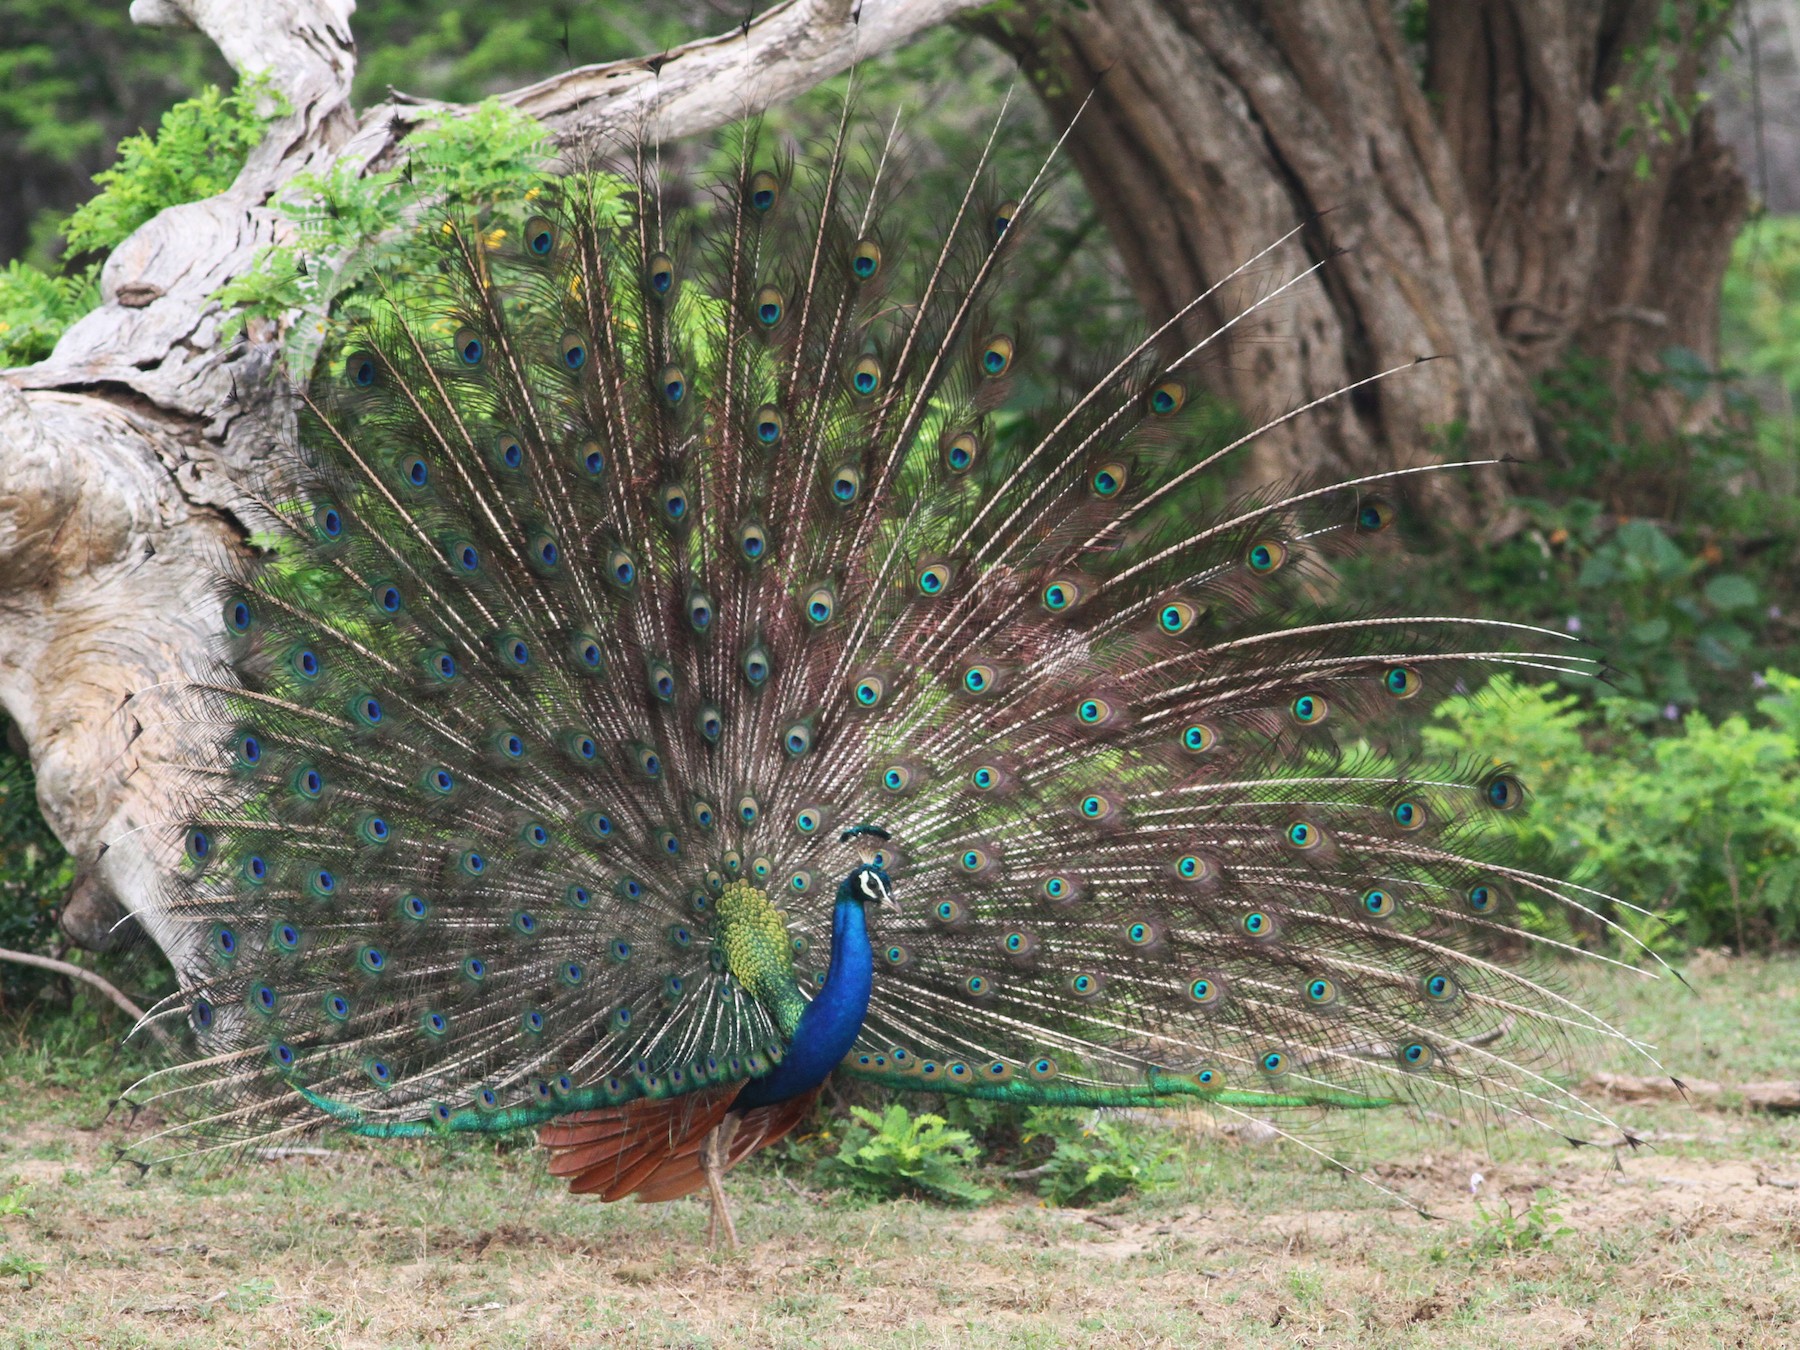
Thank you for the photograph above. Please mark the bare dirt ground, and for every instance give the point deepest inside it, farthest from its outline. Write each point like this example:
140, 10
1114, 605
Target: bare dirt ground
1693, 1240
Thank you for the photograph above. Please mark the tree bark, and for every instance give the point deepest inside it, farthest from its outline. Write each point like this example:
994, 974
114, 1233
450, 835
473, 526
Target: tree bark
1490, 207
125, 455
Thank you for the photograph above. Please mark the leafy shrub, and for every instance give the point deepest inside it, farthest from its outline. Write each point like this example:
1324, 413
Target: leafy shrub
1097, 1159
197, 151
898, 1153
1701, 826
36, 308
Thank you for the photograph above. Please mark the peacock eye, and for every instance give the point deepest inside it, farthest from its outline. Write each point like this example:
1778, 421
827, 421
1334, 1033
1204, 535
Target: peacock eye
846, 484
659, 274
621, 569
1194, 867
1402, 682
961, 452
469, 348
361, 370
768, 307
700, 611
1176, 617
1410, 815
673, 501
573, 349
1304, 836
1093, 711
1206, 990
869, 691
818, 606
540, 236
709, 721
1265, 556
672, 383
1109, 479
1168, 398
933, 580
996, 356
1483, 897
865, 377
865, 259
896, 778
753, 541
1002, 218
1377, 903
1503, 792
1197, 738
1374, 515
764, 192
1309, 710
756, 665
979, 678
768, 424
797, 739
1061, 595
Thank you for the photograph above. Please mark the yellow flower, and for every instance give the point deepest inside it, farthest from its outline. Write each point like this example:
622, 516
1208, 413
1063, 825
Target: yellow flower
493, 237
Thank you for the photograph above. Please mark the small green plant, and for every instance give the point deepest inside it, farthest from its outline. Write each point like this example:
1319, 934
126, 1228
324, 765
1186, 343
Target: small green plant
13, 1202
898, 1153
1508, 1232
1097, 1159
21, 1268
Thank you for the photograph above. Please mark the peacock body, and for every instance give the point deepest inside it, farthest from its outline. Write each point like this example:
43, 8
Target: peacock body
684, 671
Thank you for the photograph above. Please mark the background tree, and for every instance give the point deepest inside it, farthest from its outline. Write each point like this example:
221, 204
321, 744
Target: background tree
1509, 180
1518, 186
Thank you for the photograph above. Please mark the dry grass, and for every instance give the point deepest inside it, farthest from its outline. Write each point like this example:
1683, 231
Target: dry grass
1690, 1243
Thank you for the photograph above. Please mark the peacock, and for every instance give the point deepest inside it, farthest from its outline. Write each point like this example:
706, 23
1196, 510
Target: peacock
682, 664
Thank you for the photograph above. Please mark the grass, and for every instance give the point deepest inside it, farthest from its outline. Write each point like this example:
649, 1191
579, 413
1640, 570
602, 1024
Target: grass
1693, 1241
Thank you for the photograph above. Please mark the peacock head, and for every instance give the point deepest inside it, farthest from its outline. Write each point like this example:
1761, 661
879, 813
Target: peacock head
870, 881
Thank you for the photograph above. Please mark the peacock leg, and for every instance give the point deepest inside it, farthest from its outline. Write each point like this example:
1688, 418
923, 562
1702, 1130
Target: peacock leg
712, 1159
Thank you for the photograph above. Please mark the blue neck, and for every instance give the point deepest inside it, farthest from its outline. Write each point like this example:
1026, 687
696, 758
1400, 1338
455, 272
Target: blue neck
829, 1026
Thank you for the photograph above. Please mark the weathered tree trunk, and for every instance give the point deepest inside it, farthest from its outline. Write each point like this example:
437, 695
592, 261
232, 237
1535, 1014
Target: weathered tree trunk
124, 455
1492, 208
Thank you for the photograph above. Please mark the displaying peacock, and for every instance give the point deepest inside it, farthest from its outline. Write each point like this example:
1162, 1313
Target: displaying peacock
681, 672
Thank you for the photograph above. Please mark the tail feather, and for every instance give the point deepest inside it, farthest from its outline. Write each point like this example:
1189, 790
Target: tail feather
625, 555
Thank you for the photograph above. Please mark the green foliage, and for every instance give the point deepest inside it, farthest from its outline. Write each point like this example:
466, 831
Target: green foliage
1702, 826
36, 308
898, 1153
1760, 303
1098, 1159
1673, 559
35, 872
1509, 1232
197, 151
349, 226
1657, 75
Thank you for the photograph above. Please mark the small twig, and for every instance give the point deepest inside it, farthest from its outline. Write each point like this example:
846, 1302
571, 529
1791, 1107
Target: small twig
105, 986
1029, 1172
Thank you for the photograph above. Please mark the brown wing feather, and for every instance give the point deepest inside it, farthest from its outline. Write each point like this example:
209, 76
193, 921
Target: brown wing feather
610, 1153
